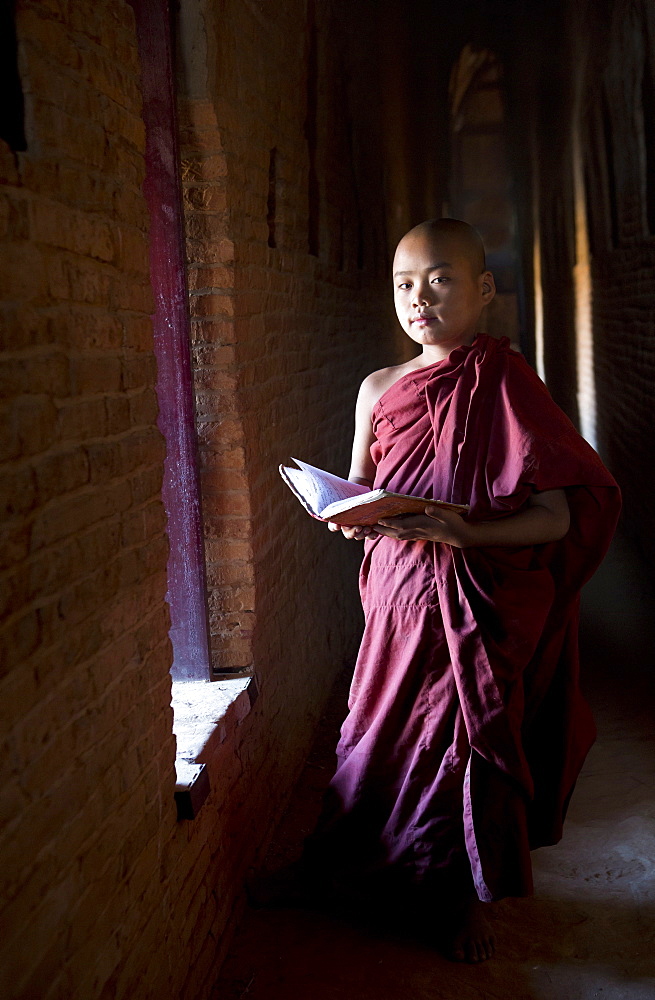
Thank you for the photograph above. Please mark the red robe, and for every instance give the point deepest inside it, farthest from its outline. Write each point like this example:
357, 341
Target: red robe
467, 728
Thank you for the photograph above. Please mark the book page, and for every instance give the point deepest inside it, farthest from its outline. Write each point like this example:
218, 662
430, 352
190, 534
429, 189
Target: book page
385, 505
391, 504
317, 488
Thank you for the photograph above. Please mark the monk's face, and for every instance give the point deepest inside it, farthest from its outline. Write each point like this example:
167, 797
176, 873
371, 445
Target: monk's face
438, 294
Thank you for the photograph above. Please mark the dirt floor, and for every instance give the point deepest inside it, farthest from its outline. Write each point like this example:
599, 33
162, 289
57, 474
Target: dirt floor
589, 931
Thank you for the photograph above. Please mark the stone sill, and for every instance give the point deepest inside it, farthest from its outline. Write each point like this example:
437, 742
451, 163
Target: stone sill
205, 714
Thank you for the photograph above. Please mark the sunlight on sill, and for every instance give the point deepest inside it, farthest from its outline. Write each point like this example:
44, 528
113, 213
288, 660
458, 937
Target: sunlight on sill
205, 712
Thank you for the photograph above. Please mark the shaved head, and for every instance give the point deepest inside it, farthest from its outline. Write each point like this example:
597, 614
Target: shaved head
464, 237
441, 284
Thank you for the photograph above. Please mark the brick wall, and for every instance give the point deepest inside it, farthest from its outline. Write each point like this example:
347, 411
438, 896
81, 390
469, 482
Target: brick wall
86, 785
104, 895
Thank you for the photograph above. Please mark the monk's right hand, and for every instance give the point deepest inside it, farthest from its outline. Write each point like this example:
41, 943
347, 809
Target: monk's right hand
355, 532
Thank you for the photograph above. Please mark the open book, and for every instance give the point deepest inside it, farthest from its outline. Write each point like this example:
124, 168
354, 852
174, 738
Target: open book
330, 498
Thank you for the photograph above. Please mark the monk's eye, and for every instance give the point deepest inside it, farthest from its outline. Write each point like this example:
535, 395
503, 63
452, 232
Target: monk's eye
404, 285
441, 279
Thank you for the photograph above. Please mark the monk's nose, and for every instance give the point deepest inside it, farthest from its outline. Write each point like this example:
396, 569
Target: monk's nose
420, 297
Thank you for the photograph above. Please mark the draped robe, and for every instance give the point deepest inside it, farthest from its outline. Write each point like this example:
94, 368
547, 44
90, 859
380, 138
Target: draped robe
466, 727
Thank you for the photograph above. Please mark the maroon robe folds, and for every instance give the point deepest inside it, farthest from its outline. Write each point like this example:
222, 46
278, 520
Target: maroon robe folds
467, 728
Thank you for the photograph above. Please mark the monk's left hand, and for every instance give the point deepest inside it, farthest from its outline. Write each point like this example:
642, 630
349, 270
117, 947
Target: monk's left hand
436, 525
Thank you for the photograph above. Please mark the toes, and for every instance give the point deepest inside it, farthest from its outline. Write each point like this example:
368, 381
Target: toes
468, 951
473, 940
485, 949
473, 951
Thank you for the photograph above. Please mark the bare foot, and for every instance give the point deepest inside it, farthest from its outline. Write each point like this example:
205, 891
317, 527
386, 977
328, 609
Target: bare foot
472, 938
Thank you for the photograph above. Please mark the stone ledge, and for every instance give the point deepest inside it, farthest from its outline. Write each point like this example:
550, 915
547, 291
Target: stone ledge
205, 713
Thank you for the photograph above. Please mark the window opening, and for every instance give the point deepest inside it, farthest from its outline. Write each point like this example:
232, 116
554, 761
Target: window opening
12, 106
186, 595
584, 333
539, 353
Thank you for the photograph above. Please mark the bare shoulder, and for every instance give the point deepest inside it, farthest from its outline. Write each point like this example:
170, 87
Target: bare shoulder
376, 384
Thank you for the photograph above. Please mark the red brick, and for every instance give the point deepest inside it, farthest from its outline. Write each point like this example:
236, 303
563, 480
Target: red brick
206, 198
211, 304
224, 574
85, 328
201, 278
97, 373
220, 480
56, 225
228, 550
209, 228
35, 418
209, 167
65, 132
226, 526
14, 217
146, 484
14, 541
17, 490
211, 331
48, 36
21, 276
117, 413
228, 599
225, 431
78, 419
143, 407
221, 383
8, 165
138, 329
20, 637
132, 250
198, 113
129, 205
139, 370
233, 652
123, 160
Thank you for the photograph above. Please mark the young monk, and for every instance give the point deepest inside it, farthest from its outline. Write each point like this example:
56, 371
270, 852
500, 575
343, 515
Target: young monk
466, 728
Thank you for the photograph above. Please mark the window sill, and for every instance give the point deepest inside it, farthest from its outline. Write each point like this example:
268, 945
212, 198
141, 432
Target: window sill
205, 713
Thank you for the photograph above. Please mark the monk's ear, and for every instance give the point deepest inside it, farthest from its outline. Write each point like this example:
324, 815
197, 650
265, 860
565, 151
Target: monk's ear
488, 287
